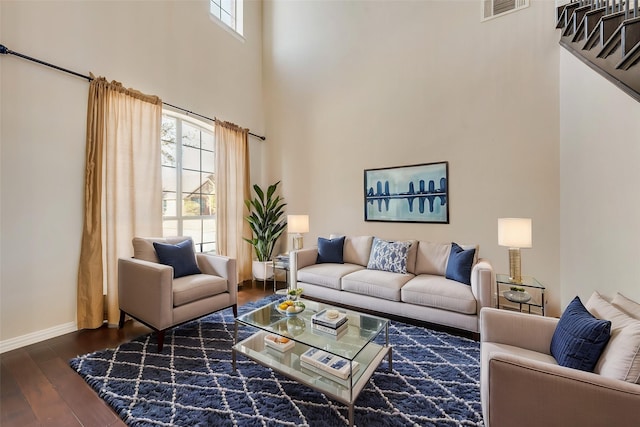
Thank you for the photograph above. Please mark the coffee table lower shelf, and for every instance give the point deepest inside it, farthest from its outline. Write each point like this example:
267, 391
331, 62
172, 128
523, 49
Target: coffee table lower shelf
288, 364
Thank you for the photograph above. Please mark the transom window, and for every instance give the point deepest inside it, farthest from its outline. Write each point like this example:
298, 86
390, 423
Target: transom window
229, 12
188, 180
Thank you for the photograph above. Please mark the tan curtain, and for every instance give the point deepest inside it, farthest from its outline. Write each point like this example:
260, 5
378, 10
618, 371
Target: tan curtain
232, 189
123, 192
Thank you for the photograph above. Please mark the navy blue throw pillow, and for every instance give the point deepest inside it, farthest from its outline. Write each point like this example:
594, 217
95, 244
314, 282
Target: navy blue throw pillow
460, 264
330, 250
181, 257
579, 338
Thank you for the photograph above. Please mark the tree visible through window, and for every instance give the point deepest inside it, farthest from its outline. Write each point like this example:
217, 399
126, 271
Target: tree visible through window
188, 180
229, 12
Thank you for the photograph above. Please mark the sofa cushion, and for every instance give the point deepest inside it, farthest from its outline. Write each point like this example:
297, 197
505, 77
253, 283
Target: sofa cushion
330, 250
412, 254
376, 283
357, 250
627, 305
431, 258
436, 291
327, 275
579, 337
460, 264
620, 358
179, 256
191, 288
389, 256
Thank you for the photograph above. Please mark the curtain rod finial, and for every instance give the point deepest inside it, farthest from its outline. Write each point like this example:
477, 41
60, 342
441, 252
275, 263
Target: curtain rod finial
3, 49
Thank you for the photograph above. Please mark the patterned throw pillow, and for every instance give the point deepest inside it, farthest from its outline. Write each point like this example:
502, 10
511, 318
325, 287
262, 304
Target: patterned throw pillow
389, 256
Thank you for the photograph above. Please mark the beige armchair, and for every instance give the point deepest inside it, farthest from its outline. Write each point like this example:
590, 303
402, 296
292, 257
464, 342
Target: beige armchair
148, 292
522, 385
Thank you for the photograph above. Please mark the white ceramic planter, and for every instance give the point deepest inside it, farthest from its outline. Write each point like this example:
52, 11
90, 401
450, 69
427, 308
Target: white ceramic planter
262, 270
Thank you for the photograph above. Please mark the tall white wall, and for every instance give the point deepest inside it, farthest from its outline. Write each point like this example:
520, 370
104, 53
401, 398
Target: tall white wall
172, 49
600, 158
362, 84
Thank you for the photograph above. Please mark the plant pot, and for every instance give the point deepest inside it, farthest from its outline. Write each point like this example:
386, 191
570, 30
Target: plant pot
262, 270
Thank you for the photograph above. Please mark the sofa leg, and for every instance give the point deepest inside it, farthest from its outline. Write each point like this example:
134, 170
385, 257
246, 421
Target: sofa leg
234, 307
121, 322
160, 340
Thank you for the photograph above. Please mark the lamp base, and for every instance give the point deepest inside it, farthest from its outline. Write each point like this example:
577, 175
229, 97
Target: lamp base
515, 274
297, 242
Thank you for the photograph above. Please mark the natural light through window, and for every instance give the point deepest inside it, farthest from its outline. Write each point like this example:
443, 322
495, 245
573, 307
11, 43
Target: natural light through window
188, 180
229, 12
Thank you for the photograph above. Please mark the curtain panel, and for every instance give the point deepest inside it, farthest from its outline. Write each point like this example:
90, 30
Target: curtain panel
232, 189
123, 192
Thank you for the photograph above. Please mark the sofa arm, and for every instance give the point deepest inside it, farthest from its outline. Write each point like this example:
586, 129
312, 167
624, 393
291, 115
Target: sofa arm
521, 330
299, 259
145, 291
482, 283
221, 266
525, 392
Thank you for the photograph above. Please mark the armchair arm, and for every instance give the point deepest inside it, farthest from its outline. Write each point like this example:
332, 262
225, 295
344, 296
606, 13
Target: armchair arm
222, 266
517, 329
562, 396
145, 291
482, 282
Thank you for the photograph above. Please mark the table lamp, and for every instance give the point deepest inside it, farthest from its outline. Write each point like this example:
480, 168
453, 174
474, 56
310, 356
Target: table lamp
297, 224
514, 233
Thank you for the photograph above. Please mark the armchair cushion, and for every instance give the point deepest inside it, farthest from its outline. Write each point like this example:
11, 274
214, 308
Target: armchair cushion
579, 337
180, 256
621, 357
191, 288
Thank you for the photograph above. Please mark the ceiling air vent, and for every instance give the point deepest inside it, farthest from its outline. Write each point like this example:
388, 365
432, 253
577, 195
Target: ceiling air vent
494, 8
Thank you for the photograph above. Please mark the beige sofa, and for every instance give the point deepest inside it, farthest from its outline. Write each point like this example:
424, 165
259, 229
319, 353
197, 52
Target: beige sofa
423, 293
523, 385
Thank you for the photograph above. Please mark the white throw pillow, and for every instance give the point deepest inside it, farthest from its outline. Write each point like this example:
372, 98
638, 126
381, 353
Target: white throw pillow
621, 357
627, 305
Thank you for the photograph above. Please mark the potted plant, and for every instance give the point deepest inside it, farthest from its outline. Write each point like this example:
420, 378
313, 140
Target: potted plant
267, 223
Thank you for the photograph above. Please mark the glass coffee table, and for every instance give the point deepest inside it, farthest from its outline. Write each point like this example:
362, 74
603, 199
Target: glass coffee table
358, 349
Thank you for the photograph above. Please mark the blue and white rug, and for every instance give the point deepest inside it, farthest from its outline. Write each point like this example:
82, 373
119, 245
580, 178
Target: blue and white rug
435, 382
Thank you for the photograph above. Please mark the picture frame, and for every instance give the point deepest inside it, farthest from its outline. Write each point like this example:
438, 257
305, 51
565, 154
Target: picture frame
413, 193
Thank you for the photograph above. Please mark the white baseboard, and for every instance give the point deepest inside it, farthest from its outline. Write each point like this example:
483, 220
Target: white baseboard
34, 337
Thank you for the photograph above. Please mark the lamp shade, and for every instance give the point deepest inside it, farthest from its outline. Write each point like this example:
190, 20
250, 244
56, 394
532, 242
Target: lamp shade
298, 223
514, 232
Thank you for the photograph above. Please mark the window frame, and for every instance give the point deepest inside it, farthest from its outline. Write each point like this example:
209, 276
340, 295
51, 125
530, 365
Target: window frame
178, 216
236, 16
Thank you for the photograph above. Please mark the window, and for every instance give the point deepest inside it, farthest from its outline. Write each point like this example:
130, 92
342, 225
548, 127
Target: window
229, 12
494, 8
188, 180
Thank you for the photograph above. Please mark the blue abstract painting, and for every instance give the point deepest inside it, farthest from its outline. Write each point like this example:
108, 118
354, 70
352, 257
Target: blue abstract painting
416, 193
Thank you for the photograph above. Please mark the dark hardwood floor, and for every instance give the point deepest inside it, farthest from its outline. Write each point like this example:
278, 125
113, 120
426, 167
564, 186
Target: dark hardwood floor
39, 388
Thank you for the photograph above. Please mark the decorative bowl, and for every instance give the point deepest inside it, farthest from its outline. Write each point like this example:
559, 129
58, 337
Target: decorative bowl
517, 296
298, 305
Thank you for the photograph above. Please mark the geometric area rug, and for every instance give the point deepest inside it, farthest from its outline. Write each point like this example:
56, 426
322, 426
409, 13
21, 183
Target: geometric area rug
435, 382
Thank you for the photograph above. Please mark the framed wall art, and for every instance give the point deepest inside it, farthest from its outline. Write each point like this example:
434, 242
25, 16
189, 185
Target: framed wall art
415, 193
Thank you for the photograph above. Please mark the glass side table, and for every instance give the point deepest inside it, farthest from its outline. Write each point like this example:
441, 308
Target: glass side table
516, 296
280, 264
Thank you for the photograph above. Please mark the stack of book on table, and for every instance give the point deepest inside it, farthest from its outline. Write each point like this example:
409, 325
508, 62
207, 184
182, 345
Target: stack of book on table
334, 367
330, 321
282, 261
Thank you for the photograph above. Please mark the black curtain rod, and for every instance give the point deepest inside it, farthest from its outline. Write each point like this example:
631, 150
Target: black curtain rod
5, 51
